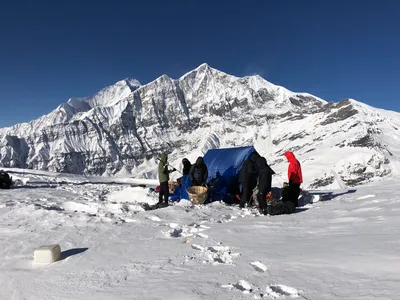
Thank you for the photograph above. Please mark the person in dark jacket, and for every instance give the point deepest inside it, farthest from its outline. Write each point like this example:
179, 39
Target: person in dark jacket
186, 167
5, 180
248, 178
199, 172
295, 178
264, 182
163, 176
185, 171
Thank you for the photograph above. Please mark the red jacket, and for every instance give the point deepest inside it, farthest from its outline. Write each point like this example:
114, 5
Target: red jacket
294, 171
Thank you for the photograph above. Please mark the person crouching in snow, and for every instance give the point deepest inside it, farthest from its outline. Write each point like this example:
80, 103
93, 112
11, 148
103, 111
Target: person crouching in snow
199, 173
264, 183
163, 176
295, 177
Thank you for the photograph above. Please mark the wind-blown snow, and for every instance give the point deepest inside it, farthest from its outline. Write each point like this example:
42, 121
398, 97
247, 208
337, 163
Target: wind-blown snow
345, 248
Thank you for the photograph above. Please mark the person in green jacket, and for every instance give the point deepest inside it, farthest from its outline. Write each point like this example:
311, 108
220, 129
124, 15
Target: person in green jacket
163, 177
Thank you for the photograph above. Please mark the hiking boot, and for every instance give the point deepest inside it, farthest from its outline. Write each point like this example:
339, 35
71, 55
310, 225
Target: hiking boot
160, 205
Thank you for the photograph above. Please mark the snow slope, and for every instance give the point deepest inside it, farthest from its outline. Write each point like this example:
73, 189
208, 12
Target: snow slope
121, 130
345, 248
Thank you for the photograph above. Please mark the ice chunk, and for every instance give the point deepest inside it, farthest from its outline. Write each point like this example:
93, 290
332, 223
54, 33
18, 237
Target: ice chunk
47, 254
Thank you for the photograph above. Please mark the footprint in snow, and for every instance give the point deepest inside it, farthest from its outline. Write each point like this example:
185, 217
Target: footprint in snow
216, 254
154, 218
202, 235
248, 212
220, 255
258, 266
179, 232
173, 225
184, 231
198, 247
194, 227
218, 248
272, 291
241, 285
175, 232
279, 290
229, 218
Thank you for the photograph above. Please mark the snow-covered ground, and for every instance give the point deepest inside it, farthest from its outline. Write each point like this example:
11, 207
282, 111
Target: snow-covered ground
344, 248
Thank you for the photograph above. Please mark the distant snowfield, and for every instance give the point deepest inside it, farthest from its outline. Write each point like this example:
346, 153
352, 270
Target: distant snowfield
345, 248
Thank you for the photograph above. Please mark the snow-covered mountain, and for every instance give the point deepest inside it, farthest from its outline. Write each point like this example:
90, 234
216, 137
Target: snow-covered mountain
124, 127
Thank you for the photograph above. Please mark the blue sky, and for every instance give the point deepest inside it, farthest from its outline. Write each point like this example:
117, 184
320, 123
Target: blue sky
51, 51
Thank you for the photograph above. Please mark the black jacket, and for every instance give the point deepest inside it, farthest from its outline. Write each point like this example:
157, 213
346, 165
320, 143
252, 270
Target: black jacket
5, 180
186, 167
199, 172
248, 172
264, 176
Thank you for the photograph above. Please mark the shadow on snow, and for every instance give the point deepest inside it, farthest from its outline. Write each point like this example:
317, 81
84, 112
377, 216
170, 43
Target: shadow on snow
67, 253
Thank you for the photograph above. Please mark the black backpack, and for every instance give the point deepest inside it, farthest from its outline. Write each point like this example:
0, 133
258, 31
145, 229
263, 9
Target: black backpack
5, 180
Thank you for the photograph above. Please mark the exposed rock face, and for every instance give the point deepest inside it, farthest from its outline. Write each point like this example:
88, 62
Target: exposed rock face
120, 129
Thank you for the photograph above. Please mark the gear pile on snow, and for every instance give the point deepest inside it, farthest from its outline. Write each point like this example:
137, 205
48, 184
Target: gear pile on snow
5, 180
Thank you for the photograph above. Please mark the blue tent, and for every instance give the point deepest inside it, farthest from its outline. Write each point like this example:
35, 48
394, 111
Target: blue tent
223, 169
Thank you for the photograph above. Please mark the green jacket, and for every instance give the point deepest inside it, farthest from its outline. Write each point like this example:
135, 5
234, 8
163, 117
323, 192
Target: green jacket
163, 173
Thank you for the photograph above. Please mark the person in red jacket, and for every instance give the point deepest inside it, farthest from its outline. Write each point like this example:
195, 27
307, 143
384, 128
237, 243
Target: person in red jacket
295, 177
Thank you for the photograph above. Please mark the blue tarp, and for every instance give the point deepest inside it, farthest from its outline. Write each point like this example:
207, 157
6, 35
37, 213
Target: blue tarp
226, 161
223, 171
223, 168
180, 191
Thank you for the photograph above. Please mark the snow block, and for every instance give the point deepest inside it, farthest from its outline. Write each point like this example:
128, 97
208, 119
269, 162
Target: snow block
47, 254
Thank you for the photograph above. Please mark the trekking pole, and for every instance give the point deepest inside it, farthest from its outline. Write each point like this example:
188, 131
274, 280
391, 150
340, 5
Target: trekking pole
177, 170
170, 166
174, 168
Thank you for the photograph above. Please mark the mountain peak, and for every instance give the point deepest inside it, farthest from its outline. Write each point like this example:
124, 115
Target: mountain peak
105, 97
132, 83
121, 127
203, 66
129, 81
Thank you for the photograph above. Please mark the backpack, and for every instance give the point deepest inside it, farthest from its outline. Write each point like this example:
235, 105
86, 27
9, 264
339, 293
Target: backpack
5, 180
